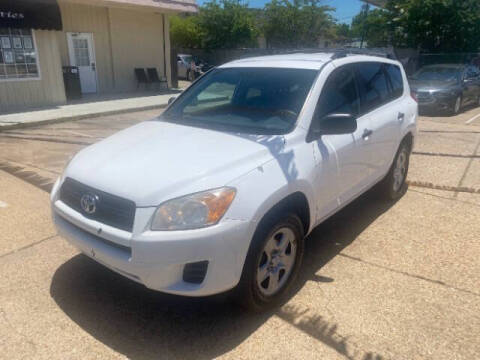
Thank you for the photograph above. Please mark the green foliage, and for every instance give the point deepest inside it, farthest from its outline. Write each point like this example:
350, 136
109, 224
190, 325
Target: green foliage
185, 32
296, 23
227, 24
219, 24
342, 33
435, 25
372, 26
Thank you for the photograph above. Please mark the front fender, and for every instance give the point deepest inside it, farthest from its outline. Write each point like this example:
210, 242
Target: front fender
264, 187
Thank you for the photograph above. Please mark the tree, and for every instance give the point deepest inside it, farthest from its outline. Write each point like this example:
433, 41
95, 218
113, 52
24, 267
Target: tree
185, 32
219, 24
227, 24
372, 27
342, 33
435, 25
296, 23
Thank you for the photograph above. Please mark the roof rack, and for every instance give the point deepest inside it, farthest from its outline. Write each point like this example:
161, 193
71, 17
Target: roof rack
341, 53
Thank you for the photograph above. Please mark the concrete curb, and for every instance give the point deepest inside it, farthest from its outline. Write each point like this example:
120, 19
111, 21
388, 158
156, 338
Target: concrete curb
79, 117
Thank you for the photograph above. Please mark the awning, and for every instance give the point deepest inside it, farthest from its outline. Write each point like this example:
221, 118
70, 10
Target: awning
30, 14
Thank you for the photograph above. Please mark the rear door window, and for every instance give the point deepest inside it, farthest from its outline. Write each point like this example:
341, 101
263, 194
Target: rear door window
396, 80
373, 85
339, 94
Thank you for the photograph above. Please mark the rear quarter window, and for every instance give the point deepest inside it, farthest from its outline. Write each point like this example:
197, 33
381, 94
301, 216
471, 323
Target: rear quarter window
396, 80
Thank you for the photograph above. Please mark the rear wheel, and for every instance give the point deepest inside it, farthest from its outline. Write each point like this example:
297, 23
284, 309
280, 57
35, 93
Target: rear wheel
272, 264
393, 186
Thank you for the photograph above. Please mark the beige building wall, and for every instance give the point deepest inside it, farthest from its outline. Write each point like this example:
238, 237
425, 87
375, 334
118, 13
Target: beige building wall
124, 39
89, 19
49, 90
137, 41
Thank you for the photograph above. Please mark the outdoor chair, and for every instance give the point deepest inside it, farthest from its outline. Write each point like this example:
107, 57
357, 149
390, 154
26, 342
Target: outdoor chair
141, 77
155, 79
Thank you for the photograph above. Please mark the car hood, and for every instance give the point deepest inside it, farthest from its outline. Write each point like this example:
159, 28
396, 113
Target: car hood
432, 85
155, 161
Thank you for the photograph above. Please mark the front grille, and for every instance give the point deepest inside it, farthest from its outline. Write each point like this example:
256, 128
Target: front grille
110, 209
425, 97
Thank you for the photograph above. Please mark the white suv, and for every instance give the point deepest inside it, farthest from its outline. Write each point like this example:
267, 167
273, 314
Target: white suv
220, 191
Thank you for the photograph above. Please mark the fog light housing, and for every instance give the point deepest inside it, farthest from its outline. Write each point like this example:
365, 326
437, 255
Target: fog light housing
194, 273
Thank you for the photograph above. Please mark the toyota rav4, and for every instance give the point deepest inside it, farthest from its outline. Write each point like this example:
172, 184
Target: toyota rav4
219, 192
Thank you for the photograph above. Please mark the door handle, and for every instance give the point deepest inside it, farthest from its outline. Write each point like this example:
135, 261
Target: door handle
401, 117
366, 134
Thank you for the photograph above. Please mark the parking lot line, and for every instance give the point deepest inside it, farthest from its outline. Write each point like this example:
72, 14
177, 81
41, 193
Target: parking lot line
472, 119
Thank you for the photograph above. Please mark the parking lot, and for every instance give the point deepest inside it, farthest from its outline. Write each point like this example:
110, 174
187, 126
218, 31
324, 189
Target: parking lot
380, 280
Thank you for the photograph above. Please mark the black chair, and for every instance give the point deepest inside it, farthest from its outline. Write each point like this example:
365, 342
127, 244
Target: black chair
155, 79
141, 77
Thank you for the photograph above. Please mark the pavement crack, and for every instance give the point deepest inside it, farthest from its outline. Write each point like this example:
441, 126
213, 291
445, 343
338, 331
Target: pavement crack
463, 156
420, 277
34, 138
31, 177
27, 246
455, 189
445, 197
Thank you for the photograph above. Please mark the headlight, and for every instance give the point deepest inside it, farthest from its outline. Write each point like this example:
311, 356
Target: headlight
193, 211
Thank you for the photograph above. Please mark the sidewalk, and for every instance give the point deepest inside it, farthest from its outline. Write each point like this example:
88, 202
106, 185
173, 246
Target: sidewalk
83, 110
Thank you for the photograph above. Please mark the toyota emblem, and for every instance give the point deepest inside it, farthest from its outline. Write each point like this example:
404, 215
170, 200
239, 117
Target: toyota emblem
88, 203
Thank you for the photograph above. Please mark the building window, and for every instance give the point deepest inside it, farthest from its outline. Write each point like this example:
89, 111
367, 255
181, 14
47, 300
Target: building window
18, 55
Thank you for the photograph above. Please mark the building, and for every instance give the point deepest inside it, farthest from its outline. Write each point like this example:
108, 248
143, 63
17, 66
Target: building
379, 3
106, 39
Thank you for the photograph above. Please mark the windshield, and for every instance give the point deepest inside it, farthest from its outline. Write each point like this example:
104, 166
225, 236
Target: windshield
438, 73
248, 100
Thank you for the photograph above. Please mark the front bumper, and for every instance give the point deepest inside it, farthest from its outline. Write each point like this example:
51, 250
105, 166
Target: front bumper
157, 259
434, 102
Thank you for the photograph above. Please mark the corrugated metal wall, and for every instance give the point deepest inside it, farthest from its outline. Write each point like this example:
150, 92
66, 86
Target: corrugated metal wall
49, 90
124, 39
137, 41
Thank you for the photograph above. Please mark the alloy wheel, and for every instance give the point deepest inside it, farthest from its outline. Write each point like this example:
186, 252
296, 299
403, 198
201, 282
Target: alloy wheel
400, 170
276, 261
458, 104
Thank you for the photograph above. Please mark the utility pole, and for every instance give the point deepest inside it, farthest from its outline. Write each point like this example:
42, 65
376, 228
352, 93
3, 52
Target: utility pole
365, 15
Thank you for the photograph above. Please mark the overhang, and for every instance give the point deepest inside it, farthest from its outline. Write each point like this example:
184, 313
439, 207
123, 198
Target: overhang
30, 14
379, 3
150, 5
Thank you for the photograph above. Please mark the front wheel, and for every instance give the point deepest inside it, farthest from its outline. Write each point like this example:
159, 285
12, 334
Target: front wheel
393, 186
457, 106
272, 264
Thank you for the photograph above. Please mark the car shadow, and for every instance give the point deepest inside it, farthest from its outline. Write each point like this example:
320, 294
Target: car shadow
143, 324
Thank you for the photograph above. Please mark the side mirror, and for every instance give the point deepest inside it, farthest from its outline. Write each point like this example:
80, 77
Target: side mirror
337, 124
172, 99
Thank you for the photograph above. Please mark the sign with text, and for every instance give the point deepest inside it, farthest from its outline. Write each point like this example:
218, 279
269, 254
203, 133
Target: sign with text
30, 14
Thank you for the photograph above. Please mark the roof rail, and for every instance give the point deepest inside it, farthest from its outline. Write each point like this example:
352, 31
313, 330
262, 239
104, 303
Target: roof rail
341, 53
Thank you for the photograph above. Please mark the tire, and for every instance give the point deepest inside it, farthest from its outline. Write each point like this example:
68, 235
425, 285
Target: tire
394, 185
259, 295
457, 106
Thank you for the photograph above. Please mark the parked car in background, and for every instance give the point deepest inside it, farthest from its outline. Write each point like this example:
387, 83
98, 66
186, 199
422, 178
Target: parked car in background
446, 87
190, 67
220, 191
